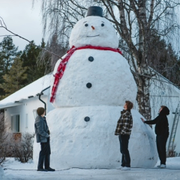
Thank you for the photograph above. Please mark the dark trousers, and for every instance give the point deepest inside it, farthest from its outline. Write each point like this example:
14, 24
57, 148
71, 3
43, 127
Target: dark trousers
44, 155
161, 147
124, 141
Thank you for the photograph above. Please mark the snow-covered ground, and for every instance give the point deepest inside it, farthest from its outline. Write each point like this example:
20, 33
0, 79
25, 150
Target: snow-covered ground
14, 170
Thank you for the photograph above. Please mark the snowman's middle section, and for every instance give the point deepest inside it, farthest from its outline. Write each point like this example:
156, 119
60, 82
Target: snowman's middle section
95, 77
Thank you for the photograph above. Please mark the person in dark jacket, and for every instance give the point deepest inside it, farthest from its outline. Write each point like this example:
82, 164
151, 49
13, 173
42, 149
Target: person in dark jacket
123, 130
162, 133
43, 137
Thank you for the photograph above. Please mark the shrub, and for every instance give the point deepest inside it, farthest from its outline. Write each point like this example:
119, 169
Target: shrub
15, 145
3, 137
171, 152
23, 148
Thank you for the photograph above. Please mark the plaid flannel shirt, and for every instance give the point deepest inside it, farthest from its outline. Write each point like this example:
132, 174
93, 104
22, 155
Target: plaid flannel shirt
124, 124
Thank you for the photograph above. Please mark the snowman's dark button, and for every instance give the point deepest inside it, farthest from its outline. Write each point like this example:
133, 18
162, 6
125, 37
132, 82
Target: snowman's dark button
88, 85
90, 58
87, 119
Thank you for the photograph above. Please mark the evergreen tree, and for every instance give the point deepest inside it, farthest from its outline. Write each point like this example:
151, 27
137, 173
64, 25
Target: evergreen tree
8, 52
14, 79
31, 58
164, 59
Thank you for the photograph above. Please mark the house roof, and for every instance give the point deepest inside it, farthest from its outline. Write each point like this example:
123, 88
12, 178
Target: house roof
26, 92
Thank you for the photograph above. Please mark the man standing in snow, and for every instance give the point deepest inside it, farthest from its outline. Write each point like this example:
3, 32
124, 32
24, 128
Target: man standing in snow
42, 136
123, 129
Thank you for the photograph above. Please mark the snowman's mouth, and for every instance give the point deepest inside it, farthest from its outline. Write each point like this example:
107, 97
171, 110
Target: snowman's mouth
93, 36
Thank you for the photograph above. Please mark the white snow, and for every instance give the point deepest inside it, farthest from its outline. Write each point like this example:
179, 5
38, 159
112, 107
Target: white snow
14, 170
30, 90
109, 74
93, 30
76, 142
92, 144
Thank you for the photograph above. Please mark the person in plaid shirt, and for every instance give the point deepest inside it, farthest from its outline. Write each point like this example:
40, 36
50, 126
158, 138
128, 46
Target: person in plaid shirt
123, 130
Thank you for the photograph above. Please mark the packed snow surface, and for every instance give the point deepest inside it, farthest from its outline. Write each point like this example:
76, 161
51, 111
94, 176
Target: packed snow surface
14, 170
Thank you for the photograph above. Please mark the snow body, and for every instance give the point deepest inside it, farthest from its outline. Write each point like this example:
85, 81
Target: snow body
92, 144
103, 33
108, 73
15, 170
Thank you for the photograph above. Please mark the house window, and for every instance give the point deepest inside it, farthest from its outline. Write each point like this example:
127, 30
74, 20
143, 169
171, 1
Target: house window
15, 123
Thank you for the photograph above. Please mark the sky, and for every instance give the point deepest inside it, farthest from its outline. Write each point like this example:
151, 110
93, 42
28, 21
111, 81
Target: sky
22, 19
14, 170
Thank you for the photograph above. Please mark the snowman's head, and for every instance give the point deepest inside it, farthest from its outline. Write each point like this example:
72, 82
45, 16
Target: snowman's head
95, 31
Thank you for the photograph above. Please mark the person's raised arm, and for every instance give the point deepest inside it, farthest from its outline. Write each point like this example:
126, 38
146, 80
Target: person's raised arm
151, 121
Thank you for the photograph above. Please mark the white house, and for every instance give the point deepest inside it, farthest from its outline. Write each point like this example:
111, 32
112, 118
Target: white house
163, 92
20, 107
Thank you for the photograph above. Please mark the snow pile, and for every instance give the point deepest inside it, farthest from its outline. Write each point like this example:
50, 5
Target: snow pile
30, 90
103, 33
109, 74
83, 123
107, 71
92, 144
1, 173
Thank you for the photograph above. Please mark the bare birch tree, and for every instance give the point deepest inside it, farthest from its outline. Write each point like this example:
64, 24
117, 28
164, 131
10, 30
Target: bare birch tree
138, 23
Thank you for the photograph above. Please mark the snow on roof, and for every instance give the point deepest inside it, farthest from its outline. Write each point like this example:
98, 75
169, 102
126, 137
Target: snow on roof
26, 92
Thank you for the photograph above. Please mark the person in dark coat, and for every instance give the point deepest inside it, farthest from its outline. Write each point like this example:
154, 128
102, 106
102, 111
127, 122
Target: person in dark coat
43, 137
123, 130
162, 133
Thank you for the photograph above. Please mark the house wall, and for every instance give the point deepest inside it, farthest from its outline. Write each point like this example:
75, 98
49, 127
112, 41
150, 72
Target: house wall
27, 112
162, 92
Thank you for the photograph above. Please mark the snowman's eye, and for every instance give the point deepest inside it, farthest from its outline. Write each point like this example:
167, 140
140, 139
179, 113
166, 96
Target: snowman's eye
86, 25
102, 24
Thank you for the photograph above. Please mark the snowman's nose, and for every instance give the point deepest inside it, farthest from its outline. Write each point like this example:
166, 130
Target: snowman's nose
93, 28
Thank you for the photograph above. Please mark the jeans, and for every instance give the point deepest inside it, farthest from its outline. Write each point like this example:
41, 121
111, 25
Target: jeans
44, 155
124, 141
161, 147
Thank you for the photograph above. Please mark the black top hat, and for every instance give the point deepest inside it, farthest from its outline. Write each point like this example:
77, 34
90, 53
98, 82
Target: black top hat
95, 11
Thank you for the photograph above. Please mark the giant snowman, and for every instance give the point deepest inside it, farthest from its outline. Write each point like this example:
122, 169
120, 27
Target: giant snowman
89, 88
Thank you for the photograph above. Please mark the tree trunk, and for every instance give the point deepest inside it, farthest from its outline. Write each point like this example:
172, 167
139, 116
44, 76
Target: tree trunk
143, 95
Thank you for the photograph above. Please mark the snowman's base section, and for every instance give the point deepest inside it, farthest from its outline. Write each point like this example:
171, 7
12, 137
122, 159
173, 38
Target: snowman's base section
92, 144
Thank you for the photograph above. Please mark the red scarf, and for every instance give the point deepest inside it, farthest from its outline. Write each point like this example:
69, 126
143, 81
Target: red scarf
62, 66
